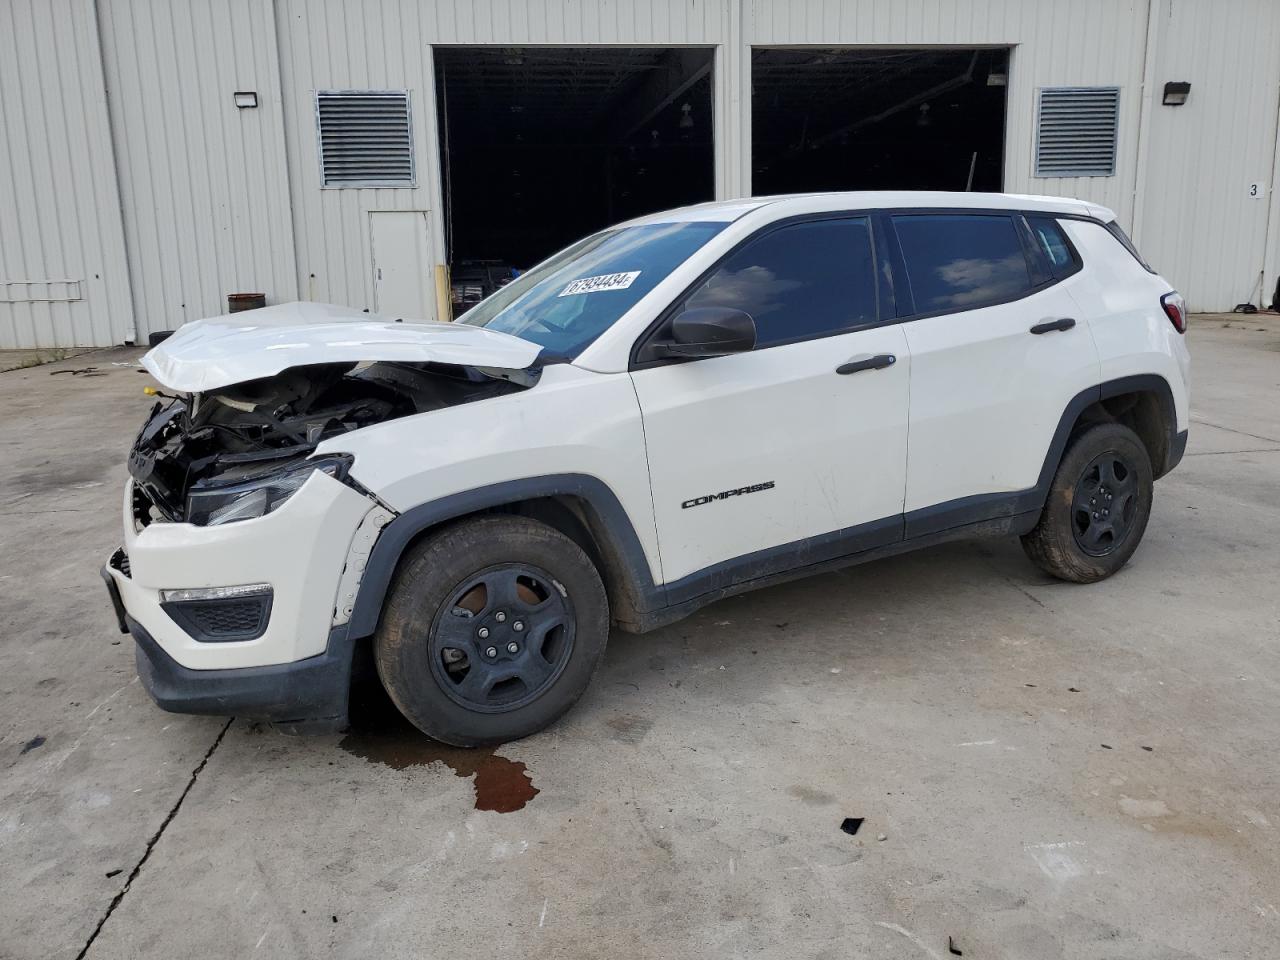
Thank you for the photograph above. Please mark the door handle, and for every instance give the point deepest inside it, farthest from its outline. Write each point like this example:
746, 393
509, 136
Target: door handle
1048, 326
878, 362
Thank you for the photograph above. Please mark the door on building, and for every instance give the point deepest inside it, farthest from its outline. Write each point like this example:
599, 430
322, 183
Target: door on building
541, 146
868, 118
403, 285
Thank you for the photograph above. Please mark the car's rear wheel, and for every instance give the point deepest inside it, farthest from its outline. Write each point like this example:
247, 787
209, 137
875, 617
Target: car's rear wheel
1097, 508
492, 630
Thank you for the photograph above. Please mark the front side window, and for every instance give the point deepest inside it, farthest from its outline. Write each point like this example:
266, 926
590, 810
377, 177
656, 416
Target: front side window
800, 281
566, 302
960, 261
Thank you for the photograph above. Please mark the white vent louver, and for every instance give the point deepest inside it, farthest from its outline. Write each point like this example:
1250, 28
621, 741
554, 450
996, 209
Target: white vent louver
1076, 133
365, 138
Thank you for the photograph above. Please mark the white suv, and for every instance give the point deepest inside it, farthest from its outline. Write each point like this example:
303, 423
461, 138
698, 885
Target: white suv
684, 407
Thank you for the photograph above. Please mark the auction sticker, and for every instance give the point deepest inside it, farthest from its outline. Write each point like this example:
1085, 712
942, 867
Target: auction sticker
606, 281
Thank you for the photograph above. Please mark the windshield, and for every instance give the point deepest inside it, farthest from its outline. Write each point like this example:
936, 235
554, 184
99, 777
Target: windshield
564, 303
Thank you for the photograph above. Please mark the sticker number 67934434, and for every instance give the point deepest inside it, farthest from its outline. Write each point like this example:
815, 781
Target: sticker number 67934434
606, 281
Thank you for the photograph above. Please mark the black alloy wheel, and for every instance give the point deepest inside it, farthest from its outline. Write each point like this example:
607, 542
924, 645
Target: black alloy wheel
503, 637
1105, 504
1097, 505
492, 629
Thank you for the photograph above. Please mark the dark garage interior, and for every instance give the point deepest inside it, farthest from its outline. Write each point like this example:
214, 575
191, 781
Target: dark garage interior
877, 119
543, 145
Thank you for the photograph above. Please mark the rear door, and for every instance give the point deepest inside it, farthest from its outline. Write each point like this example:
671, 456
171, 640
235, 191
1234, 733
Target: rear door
755, 451
998, 351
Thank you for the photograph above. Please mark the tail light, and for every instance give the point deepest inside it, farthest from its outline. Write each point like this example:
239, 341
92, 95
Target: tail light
1175, 308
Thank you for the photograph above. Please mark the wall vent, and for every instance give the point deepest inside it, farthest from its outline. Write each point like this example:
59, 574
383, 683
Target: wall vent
1076, 132
365, 138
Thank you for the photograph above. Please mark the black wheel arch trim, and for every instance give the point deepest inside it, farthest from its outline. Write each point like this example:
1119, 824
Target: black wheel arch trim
1158, 386
622, 543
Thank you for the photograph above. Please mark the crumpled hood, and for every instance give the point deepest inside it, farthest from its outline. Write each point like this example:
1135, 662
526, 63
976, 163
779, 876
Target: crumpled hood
217, 352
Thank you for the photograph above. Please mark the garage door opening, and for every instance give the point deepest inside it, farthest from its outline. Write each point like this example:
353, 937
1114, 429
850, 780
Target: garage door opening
543, 145
877, 119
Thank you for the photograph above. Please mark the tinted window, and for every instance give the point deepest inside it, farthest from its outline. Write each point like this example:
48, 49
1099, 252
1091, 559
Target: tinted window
800, 281
1053, 244
567, 301
955, 262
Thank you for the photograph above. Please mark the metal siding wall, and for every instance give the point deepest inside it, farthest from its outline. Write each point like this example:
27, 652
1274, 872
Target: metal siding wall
59, 206
1199, 227
214, 197
1083, 42
205, 189
386, 44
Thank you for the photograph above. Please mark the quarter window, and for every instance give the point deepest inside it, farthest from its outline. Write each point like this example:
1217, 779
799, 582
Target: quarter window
798, 282
1053, 244
957, 262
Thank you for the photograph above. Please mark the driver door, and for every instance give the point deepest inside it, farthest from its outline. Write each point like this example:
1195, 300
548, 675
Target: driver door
794, 452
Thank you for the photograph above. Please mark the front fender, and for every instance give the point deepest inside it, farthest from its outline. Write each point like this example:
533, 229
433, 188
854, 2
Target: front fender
613, 532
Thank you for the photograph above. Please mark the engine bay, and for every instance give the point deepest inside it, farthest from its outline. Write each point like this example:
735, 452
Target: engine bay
220, 438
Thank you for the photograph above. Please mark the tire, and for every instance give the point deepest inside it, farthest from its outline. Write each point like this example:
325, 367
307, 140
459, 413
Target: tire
1097, 508
465, 593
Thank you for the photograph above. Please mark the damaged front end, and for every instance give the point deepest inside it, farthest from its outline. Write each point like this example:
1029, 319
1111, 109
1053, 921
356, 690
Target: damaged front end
241, 450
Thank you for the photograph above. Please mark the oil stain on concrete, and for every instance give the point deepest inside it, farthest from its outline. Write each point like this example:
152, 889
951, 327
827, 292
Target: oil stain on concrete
380, 734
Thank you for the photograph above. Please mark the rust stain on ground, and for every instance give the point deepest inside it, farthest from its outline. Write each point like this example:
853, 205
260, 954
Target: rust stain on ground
380, 734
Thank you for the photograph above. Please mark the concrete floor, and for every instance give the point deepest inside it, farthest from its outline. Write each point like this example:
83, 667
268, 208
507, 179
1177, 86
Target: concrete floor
1056, 771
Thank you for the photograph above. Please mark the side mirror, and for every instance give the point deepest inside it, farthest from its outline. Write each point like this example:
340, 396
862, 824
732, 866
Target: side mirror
711, 332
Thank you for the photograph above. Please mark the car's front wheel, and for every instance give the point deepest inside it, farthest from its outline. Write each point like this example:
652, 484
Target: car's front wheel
1097, 508
492, 630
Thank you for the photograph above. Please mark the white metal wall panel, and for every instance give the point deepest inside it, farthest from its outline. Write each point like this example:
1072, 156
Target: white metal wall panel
204, 184
213, 197
1199, 226
1056, 43
386, 45
63, 275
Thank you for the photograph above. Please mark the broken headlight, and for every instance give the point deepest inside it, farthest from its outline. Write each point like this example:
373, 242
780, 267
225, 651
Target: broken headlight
256, 497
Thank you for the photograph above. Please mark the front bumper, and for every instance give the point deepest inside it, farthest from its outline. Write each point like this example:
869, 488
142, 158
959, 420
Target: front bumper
298, 550
309, 696
295, 672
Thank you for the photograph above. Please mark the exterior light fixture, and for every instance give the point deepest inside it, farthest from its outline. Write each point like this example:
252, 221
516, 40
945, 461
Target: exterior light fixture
1176, 93
686, 117
246, 99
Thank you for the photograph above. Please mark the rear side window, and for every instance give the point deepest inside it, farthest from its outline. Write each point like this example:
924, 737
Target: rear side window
961, 261
1054, 245
798, 282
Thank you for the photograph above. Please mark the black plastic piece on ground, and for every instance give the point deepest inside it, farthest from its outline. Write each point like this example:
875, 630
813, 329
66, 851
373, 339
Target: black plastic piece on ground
851, 825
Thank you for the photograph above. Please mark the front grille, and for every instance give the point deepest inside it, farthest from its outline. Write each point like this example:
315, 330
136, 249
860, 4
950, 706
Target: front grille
222, 620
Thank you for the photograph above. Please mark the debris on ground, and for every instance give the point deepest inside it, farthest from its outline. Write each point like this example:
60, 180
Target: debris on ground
851, 825
79, 371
